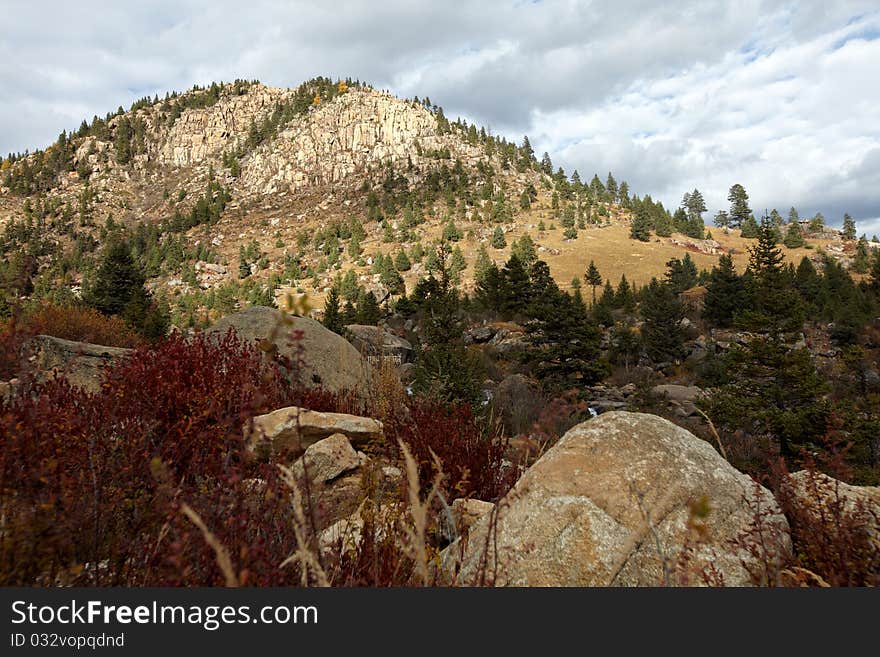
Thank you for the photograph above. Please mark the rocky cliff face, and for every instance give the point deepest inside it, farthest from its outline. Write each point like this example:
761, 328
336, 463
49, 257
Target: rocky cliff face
203, 135
336, 140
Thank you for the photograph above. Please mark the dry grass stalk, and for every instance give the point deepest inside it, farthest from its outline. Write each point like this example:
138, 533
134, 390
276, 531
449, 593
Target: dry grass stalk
714, 433
304, 554
415, 544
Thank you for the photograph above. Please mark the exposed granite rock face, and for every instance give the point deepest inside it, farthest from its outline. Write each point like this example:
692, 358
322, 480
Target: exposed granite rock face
81, 363
613, 503
337, 139
202, 134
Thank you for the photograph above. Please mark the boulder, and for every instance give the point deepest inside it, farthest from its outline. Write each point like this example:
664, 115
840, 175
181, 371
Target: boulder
466, 512
292, 430
823, 498
617, 501
329, 361
326, 459
375, 343
683, 398
81, 363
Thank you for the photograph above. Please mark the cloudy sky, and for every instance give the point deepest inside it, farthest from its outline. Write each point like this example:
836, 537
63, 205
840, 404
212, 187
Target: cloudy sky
781, 97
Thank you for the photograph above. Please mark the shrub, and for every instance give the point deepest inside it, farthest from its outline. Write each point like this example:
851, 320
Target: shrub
471, 454
77, 323
77, 470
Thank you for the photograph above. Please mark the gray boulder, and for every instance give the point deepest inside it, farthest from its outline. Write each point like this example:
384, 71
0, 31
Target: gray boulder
624, 499
375, 343
81, 363
328, 360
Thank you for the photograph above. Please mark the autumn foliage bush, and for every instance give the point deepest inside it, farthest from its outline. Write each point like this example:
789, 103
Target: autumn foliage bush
78, 323
93, 485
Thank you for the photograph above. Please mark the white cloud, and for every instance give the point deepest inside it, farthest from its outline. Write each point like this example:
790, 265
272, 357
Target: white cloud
778, 96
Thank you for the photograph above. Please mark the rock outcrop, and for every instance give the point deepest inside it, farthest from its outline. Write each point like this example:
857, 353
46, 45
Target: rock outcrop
292, 430
376, 343
825, 500
327, 459
328, 360
335, 140
681, 398
81, 363
624, 499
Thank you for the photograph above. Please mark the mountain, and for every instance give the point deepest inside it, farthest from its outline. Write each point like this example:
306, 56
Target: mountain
244, 181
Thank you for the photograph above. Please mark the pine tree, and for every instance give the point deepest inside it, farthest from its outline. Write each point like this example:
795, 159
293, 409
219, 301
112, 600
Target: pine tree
498, 240
368, 311
774, 389
482, 263
774, 309
641, 225
681, 275
524, 248
117, 282
332, 317
515, 287
750, 228
625, 296
849, 227
724, 293
722, 219
794, 236
593, 278
662, 333
401, 261
862, 259
739, 205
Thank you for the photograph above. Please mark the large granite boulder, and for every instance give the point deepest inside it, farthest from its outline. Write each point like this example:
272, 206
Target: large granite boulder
624, 499
328, 360
81, 363
376, 343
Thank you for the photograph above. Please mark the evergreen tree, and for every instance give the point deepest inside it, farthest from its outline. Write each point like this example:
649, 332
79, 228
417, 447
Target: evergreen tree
808, 283
401, 261
722, 219
368, 311
862, 259
794, 236
515, 287
593, 278
444, 369
775, 389
724, 293
611, 187
774, 308
117, 282
663, 226
681, 275
482, 263
457, 265
750, 228
662, 333
525, 250
451, 232
565, 345
332, 316
624, 297
739, 205
641, 225
498, 240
